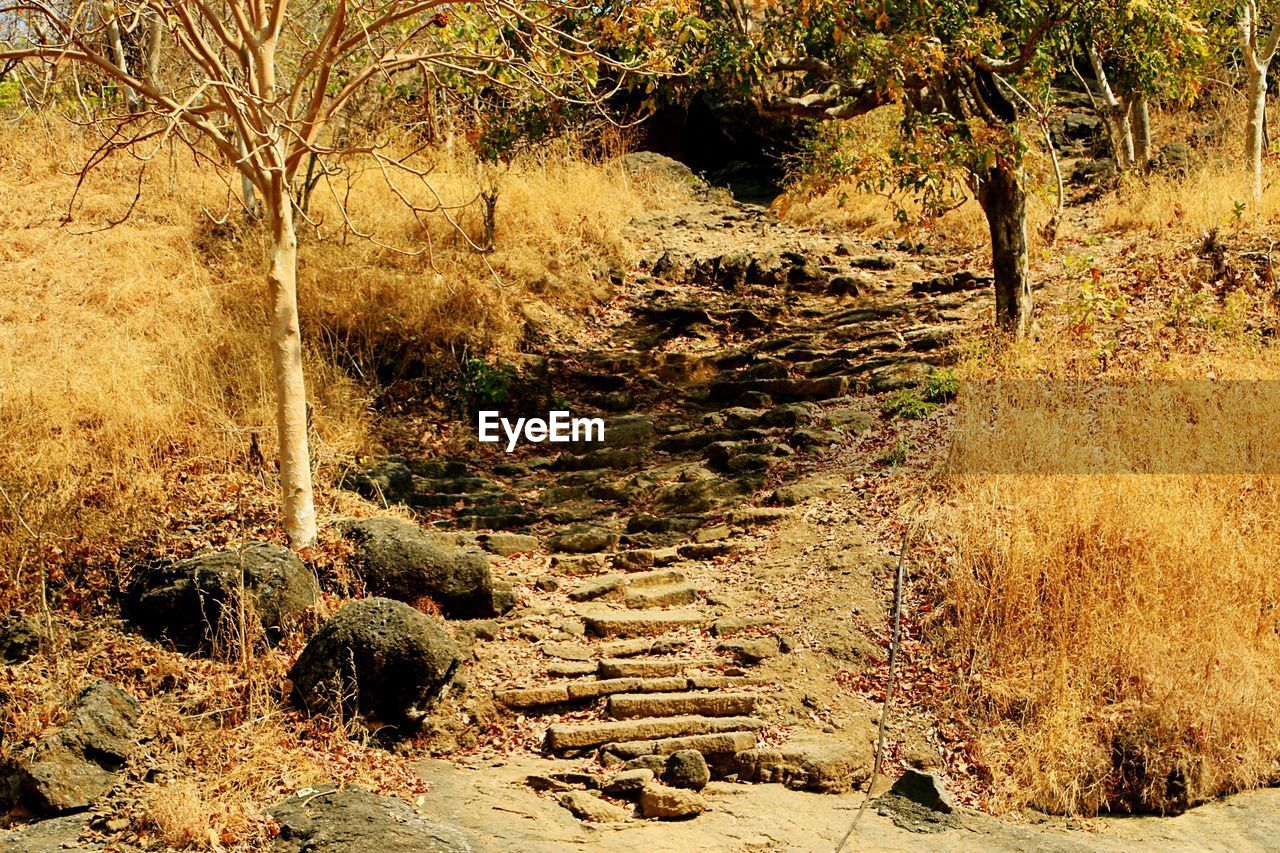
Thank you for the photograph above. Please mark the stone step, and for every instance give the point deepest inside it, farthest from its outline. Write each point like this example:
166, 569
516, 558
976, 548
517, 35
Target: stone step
609, 686
722, 744
661, 596
624, 706
648, 580
578, 691
581, 690
565, 736
642, 646
630, 624
625, 668
572, 669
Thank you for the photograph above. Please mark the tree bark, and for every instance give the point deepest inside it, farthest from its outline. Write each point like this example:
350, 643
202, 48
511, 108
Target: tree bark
1003, 197
1257, 101
286, 356
248, 197
1141, 124
121, 60
1114, 114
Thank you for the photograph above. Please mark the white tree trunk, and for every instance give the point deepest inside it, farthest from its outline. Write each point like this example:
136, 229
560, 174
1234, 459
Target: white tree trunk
1114, 114
286, 356
248, 196
1141, 124
1257, 101
122, 60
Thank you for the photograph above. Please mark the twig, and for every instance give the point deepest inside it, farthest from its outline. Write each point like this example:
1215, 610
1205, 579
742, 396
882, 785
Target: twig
898, 583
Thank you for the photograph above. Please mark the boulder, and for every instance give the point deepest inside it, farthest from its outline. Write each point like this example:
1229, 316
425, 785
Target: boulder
659, 801
810, 762
19, 639
78, 762
378, 658
585, 806
650, 164
925, 789
583, 539
397, 559
193, 603
355, 819
627, 784
655, 764
686, 768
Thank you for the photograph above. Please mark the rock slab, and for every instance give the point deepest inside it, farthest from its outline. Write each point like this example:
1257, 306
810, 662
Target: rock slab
352, 819
397, 559
76, 764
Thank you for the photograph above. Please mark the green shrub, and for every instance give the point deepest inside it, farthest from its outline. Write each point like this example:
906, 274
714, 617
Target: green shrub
907, 404
486, 385
941, 386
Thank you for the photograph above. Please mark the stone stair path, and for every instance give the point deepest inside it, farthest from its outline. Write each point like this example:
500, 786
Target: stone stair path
723, 377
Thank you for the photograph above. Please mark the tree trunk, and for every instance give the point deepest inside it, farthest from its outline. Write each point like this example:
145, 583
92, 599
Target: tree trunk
1003, 198
286, 356
1114, 114
1141, 123
248, 197
155, 44
1257, 100
121, 60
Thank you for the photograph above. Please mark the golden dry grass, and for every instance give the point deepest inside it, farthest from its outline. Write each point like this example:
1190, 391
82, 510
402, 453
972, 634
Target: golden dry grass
133, 372
134, 352
1115, 634
1214, 194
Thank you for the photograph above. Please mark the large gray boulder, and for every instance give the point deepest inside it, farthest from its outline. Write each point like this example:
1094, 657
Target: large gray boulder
397, 559
376, 658
352, 819
194, 602
78, 762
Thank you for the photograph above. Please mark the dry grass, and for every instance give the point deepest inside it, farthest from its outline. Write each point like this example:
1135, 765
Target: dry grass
1116, 635
134, 355
133, 374
1215, 194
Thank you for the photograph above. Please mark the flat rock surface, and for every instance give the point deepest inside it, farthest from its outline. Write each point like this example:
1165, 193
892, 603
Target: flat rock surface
491, 805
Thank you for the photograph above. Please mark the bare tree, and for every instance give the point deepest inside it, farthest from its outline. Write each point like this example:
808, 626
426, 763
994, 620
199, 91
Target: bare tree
257, 84
1259, 50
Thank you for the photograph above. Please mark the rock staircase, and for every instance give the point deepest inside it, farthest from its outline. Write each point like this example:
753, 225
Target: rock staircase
716, 387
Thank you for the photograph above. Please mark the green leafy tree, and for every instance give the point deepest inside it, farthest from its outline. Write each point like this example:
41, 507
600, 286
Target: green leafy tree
963, 73
1146, 50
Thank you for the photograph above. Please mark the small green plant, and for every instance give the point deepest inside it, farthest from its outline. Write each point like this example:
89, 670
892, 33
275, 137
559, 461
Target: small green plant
941, 386
899, 453
907, 404
486, 385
